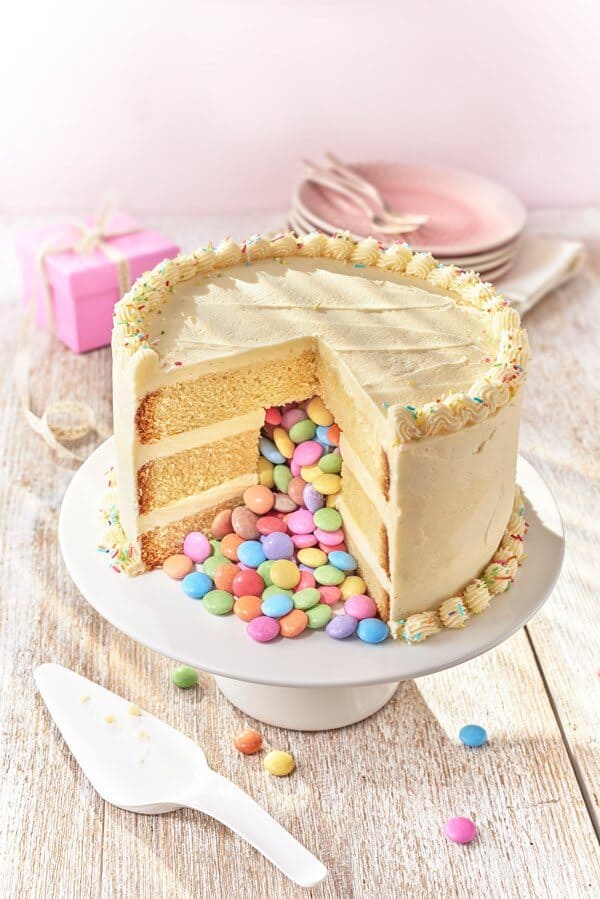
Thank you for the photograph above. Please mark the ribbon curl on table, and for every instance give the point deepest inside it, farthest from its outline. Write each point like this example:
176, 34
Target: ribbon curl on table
52, 425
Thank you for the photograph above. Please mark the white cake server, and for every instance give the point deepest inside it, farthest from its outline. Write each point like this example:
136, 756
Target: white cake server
140, 764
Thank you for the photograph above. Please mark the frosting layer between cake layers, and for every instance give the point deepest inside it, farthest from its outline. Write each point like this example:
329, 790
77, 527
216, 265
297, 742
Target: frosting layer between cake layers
421, 366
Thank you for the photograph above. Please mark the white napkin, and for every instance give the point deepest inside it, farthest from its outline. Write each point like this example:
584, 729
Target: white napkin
541, 265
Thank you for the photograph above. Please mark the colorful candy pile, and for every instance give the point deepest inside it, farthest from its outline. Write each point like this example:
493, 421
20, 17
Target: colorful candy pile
280, 561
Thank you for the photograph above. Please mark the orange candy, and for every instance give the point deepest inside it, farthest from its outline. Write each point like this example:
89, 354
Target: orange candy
248, 741
248, 607
333, 435
178, 566
258, 499
229, 546
224, 576
221, 524
293, 623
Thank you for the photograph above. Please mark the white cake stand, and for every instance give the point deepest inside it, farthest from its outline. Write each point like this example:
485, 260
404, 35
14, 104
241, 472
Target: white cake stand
311, 682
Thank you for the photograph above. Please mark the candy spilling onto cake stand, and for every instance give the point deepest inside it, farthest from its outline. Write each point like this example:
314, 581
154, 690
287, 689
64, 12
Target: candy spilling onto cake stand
310, 682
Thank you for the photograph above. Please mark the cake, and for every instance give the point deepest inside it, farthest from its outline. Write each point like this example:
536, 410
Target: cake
422, 366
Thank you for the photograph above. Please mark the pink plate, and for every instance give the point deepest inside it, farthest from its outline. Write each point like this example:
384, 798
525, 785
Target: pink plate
468, 214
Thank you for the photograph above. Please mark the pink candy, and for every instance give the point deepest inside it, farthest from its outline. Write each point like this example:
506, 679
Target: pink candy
330, 595
273, 416
307, 453
291, 417
360, 606
295, 468
329, 538
304, 541
460, 830
196, 547
301, 522
263, 629
306, 580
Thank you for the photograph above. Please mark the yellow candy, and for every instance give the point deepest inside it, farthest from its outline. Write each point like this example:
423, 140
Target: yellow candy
265, 472
318, 412
279, 763
312, 557
284, 574
353, 586
310, 473
331, 501
283, 443
327, 484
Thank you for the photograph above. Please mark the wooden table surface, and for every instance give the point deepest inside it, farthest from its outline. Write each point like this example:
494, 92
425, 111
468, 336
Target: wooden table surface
370, 800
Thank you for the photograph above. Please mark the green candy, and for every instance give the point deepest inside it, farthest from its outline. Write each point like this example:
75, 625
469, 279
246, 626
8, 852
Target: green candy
273, 590
331, 463
263, 569
282, 477
306, 599
302, 430
328, 575
218, 602
216, 547
212, 563
319, 616
185, 677
327, 519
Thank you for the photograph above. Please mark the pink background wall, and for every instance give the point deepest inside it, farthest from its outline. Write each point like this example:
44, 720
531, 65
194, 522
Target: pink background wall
208, 105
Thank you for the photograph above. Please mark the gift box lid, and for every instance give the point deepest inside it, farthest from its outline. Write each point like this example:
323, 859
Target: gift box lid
93, 271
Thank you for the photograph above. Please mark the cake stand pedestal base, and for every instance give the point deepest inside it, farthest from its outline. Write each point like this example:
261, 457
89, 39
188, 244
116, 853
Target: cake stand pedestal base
306, 708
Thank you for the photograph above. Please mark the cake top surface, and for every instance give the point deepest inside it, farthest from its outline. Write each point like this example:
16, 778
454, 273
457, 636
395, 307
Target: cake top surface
434, 347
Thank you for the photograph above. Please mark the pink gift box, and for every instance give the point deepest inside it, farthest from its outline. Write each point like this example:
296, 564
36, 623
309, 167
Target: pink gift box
84, 285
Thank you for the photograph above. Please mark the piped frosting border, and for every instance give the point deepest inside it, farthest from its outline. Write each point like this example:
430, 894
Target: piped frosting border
507, 366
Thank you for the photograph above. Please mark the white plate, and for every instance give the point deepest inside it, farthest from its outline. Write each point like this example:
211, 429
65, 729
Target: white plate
154, 610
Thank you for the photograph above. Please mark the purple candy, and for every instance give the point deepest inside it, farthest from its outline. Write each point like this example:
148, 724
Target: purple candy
340, 627
263, 629
278, 546
313, 500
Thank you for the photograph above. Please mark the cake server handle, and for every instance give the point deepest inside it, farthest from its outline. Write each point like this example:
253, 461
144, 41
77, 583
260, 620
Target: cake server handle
221, 799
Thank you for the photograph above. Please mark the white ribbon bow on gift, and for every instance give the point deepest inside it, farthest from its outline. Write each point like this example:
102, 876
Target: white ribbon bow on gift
69, 419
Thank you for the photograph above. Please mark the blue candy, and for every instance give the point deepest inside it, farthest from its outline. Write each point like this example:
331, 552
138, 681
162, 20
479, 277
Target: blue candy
268, 449
196, 584
472, 735
322, 435
373, 630
251, 553
342, 560
277, 605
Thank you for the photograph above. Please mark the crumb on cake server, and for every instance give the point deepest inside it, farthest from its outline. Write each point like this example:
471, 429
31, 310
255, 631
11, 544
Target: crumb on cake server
421, 364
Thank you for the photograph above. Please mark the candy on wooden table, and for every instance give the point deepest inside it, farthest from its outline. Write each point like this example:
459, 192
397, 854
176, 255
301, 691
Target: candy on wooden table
279, 763
472, 735
330, 594
360, 606
460, 830
312, 557
328, 574
268, 449
303, 430
229, 546
248, 607
248, 741
284, 573
224, 577
342, 560
292, 624
352, 586
372, 630
318, 616
307, 453
278, 546
218, 602
282, 476
178, 566
277, 605
243, 521
221, 524
306, 598
184, 677
196, 584
196, 546
265, 471
248, 582
318, 412
263, 629
251, 553
341, 626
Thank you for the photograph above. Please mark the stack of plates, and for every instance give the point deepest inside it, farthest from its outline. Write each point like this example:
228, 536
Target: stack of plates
472, 222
